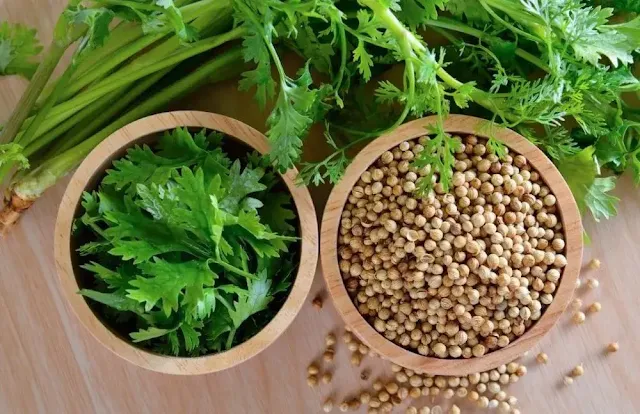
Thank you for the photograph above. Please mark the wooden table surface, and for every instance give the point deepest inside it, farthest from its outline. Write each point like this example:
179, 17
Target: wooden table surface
50, 364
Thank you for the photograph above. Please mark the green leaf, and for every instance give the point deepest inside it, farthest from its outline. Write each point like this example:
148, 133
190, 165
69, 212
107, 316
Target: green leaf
117, 280
150, 333
364, 60
12, 153
96, 19
462, 95
277, 214
113, 300
601, 204
18, 49
191, 337
256, 299
579, 171
167, 281
241, 184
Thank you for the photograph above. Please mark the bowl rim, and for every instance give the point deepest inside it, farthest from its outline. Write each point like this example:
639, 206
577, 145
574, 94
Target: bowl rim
468, 125
95, 163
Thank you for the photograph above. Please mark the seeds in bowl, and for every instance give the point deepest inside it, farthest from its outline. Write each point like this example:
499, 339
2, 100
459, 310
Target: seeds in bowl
458, 273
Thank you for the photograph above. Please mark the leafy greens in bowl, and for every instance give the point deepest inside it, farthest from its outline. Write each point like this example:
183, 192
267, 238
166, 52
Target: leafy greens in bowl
189, 246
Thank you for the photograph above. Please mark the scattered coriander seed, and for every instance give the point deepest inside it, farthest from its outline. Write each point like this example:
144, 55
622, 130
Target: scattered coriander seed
327, 407
576, 304
493, 404
578, 318
424, 410
613, 347
542, 358
515, 411
365, 397
327, 377
344, 406
448, 393
352, 346
347, 337
363, 349
312, 369
578, 283
317, 302
377, 385
568, 380
384, 396
436, 409
521, 371
312, 381
592, 283
365, 374
411, 410
595, 307
354, 405
328, 355
594, 264
396, 368
473, 396
454, 409
386, 407
356, 359
330, 340
578, 371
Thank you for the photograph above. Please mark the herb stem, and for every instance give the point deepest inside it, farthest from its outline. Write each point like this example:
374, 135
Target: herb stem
27, 101
233, 269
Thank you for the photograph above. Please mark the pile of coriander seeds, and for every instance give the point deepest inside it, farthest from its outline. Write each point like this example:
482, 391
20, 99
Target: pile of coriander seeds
456, 274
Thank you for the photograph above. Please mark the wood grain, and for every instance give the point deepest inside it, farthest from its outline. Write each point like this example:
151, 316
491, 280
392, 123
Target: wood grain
569, 215
49, 363
145, 131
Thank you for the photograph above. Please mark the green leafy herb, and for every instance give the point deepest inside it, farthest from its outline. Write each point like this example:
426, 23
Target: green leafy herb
18, 48
187, 242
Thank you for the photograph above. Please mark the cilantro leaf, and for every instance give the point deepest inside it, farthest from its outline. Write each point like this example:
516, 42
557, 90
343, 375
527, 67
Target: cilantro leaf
12, 152
256, 299
601, 204
166, 281
240, 185
590, 192
18, 49
150, 333
276, 214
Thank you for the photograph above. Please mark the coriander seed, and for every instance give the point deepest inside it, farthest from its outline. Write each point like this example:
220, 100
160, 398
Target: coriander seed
578, 318
312, 381
592, 283
594, 264
317, 302
595, 307
568, 380
326, 377
578, 371
542, 358
613, 347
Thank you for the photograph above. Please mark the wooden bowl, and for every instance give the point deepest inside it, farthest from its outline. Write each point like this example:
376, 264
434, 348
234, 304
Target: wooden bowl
92, 168
569, 214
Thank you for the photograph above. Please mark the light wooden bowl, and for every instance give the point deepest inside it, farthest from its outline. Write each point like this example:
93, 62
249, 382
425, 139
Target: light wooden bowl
92, 168
569, 214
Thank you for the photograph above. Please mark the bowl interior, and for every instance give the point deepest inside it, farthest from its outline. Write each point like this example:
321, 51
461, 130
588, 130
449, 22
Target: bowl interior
568, 215
235, 149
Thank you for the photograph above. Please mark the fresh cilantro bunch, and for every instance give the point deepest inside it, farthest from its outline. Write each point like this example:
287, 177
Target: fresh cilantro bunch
187, 251
557, 71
